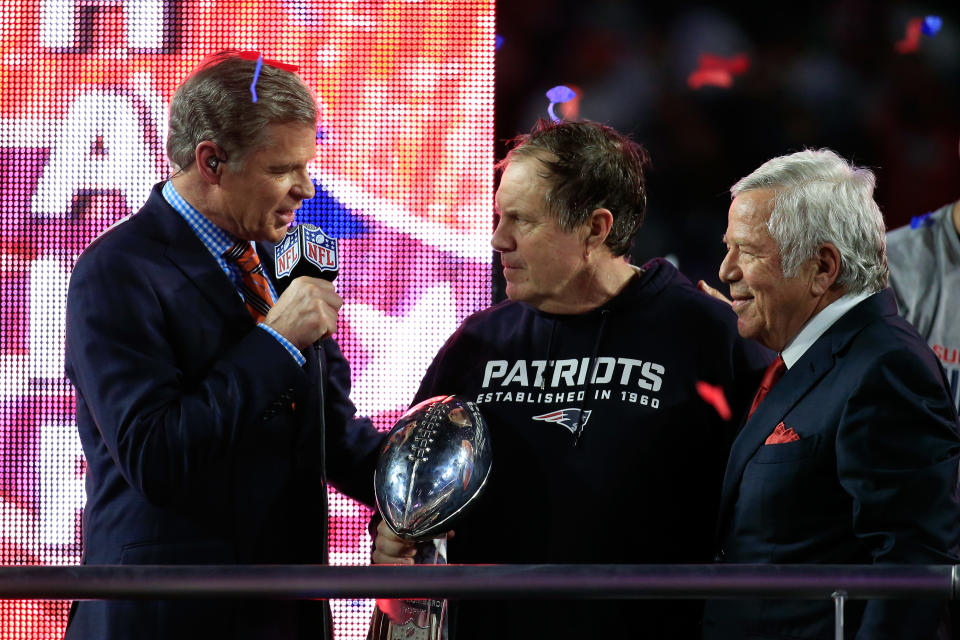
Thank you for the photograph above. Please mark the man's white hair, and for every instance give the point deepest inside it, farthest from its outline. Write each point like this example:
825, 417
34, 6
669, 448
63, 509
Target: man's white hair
821, 198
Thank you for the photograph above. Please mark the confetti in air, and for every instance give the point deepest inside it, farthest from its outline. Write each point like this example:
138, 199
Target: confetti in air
911, 39
717, 71
710, 77
256, 76
931, 25
921, 221
928, 26
558, 95
256, 56
714, 396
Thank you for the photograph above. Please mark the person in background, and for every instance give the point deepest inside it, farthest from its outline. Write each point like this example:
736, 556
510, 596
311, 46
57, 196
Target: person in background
611, 392
924, 260
212, 410
849, 454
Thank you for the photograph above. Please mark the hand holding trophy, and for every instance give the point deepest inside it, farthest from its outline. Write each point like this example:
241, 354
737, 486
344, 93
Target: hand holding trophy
434, 463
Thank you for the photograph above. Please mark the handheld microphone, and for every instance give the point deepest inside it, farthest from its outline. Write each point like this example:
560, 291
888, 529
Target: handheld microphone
307, 251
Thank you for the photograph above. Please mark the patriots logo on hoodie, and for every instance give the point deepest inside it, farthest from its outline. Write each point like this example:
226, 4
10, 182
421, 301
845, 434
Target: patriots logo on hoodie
565, 417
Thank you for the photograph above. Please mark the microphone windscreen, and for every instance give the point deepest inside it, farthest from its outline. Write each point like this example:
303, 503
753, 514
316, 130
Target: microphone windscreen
307, 251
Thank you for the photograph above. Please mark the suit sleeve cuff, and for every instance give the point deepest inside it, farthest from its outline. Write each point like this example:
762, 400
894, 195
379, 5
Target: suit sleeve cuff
292, 350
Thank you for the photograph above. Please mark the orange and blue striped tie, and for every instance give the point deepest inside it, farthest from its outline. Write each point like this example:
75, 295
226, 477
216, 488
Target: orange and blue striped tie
255, 288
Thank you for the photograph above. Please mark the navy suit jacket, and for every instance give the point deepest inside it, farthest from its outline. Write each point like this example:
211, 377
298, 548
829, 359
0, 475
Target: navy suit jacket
204, 439
872, 478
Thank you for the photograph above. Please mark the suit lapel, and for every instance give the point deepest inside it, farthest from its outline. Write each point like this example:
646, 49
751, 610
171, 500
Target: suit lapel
796, 383
188, 254
268, 260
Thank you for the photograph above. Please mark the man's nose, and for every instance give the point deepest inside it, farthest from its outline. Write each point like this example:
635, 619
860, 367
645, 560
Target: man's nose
500, 240
303, 189
729, 270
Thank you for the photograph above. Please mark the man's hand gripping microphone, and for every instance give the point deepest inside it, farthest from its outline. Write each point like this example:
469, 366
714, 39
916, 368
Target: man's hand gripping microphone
307, 310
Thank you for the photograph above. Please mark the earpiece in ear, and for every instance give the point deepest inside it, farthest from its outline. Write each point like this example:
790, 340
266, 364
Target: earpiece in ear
213, 163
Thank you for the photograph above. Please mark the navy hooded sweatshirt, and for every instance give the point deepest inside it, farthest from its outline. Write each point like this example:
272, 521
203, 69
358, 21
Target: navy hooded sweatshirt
661, 379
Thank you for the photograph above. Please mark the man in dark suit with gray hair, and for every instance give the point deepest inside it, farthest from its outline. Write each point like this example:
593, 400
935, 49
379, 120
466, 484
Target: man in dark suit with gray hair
850, 452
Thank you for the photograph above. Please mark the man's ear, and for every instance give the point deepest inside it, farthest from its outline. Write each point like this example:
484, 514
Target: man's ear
598, 228
827, 262
209, 159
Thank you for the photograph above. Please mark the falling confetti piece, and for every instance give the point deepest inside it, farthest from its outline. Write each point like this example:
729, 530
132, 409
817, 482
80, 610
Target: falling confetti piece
736, 65
256, 55
256, 76
561, 93
717, 71
713, 395
931, 25
710, 77
921, 221
911, 40
557, 95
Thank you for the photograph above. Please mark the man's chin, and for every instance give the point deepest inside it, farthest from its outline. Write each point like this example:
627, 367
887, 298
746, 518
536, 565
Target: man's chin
751, 331
277, 235
747, 329
514, 293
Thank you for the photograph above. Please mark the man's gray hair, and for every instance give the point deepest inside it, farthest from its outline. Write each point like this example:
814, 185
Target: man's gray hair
821, 198
215, 103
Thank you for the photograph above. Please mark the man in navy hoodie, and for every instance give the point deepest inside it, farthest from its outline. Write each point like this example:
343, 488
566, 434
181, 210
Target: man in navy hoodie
611, 393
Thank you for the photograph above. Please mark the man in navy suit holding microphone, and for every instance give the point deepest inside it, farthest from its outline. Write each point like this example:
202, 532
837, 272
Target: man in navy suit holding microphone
850, 452
212, 405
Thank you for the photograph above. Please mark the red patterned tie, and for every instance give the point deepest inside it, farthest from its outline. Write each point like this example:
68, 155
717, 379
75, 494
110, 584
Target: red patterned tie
770, 377
255, 288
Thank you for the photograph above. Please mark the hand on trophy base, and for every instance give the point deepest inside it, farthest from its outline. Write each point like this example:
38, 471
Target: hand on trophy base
413, 619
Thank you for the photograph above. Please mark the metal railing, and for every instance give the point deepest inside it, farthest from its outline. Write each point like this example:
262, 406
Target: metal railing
588, 581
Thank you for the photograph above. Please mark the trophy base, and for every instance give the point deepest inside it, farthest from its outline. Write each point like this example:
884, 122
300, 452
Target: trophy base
395, 619
423, 620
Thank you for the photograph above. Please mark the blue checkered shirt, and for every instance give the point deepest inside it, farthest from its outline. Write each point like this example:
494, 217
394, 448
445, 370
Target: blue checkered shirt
217, 241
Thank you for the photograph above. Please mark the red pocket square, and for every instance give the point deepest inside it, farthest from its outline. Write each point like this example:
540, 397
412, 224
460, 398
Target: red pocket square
782, 434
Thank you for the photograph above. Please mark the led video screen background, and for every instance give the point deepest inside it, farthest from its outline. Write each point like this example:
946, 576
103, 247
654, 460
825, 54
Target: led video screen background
403, 176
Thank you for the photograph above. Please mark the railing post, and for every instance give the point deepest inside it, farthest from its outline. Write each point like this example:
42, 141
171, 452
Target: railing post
839, 598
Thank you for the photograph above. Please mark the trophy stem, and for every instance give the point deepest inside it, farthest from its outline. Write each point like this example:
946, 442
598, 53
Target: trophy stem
413, 619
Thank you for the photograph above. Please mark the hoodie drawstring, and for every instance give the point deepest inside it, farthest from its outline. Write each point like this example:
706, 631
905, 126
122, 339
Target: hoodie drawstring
553, 331
578, 433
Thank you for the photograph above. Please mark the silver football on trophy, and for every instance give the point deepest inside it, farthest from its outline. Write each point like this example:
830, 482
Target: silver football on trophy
435, 462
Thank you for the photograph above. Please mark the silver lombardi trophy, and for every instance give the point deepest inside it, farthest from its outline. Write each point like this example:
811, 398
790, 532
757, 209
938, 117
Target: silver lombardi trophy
435, 462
